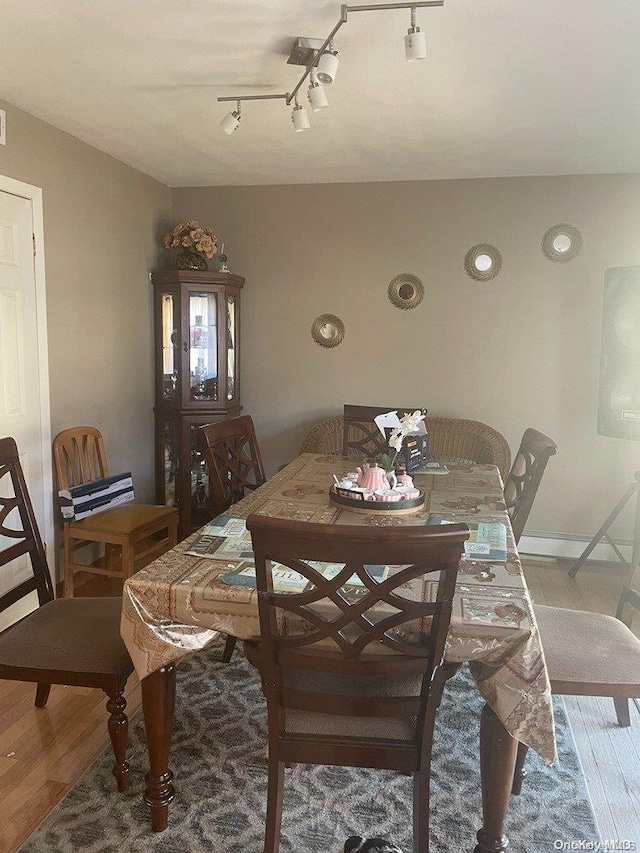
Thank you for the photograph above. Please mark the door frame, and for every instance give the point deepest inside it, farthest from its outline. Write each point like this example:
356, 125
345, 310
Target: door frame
34, 195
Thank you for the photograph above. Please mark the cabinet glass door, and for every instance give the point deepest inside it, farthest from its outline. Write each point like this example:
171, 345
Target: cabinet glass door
200, 494
169, 462
169, 347
203, 346
231, 347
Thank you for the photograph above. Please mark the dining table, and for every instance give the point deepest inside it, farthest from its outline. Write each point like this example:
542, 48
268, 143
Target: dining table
180, 603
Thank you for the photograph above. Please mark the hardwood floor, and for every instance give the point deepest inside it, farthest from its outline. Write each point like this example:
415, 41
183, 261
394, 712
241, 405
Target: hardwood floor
43, 751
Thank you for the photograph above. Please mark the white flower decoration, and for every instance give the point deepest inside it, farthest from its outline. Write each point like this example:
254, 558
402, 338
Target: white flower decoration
395, 440
409, 423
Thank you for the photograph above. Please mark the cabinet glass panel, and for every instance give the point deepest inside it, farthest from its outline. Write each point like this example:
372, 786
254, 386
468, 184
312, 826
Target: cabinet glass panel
203, 348
169, 348
231, 347
201, 503
170, 461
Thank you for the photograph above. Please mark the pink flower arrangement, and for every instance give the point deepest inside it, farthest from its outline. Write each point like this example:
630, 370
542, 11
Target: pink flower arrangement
191, 235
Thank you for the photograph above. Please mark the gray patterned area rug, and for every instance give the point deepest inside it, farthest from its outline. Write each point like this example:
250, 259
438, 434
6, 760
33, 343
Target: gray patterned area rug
218, 758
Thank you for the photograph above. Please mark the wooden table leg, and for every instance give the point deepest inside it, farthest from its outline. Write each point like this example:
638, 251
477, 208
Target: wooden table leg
497, 762
158, 704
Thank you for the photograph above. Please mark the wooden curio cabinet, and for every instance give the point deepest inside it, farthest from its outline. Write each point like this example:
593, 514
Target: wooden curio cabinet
197, 381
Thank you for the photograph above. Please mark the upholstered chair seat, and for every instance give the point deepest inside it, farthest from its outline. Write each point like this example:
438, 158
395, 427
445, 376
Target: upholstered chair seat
82, 636
589, 648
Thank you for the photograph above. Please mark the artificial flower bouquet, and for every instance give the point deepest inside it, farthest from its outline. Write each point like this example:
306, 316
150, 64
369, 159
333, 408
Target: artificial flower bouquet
191, 235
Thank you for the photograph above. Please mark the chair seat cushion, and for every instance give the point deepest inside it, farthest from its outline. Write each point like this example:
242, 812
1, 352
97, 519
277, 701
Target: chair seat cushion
127, 519
589, 648
73, 634
326, 683
382, 728
308, 722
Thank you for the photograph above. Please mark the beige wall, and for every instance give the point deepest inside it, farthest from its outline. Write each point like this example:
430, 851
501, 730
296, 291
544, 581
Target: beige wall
101, 221
522, 350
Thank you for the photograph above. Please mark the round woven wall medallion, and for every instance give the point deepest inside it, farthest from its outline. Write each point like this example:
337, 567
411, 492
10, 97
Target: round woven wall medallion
405, 291
327, 330
482, 262
561, 243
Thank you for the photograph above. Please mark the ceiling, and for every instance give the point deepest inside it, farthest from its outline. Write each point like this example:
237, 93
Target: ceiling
511, 87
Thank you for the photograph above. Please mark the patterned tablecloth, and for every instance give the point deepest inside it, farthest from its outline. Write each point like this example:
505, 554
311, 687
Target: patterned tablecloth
178, 604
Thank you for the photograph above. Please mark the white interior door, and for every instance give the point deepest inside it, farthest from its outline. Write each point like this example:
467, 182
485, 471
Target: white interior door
23, 412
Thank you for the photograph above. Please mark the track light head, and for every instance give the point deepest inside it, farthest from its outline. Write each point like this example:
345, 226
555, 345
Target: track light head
415, 41
327, 67
299, 118
231, 122
316, 94
415, 44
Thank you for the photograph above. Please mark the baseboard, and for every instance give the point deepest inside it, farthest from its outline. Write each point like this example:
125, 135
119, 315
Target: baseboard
570, 546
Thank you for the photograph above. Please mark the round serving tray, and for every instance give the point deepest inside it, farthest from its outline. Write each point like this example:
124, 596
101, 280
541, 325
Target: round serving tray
405, 507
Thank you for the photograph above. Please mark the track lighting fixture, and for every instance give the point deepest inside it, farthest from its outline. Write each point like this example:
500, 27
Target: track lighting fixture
327, 66
316, 94
299, 117
415, 41
321, 64
231, 121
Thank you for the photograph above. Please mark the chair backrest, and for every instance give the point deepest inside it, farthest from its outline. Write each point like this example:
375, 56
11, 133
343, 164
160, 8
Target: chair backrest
524, 478
630, 596
361, 436
79, 456
325, 437
392, 628
18, 525
233, 460
461, 441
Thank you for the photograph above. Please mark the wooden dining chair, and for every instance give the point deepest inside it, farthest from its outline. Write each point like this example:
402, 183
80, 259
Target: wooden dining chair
234, 464
456, 441
590, 654
133, 534
72, 641
522, 484
353, 673
233, 460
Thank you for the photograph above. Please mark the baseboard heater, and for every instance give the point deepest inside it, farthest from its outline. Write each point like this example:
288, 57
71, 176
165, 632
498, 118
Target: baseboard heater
569, 545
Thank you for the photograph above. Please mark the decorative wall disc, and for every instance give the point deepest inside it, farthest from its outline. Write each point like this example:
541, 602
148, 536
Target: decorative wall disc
561, 243
405, 291
327, 330
482, 262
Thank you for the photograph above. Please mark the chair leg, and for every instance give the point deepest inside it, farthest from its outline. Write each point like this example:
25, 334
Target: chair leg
519, 773
42, 694
118, 732
421, 810
173, 532
128, 559
229, 646
68, 563
111, 557
274, 805
622, 711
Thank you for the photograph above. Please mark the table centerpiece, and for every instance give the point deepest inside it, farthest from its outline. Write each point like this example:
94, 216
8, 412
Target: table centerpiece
377, 488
